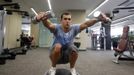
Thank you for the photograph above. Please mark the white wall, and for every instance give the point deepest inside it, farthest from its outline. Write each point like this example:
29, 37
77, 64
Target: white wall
117, 28
78, 17
13, 30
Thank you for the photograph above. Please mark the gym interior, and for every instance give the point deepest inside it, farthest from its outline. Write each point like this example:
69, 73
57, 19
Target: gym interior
103, 49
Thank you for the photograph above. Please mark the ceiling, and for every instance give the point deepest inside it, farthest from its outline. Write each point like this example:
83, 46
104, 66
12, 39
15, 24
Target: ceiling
88, 5
59, 5
112, 4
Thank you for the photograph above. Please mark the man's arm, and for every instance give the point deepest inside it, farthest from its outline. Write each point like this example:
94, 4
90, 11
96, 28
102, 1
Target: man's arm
88, 24
47, 23
102, 17
42, 16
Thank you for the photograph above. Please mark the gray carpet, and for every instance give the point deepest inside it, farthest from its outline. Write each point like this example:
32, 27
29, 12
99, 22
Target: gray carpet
36, 62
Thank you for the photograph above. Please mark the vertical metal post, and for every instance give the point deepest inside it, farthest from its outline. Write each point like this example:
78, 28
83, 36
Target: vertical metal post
1, 30
104, 34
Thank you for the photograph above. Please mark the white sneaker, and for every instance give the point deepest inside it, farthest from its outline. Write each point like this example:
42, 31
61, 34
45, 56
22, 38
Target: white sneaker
115, 61
52, 71
73, 71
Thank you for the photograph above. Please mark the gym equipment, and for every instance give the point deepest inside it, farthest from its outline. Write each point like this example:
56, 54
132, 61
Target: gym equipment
61, 72
8, 0
103, 37
11, 55
116, 10
20, 50
50, 14
3, 59
94, 41
77, 44
98, 13
12, 5
122, 47
1, 30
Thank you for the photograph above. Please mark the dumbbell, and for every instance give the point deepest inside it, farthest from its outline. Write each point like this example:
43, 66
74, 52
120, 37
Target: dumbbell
50, 14
98, 13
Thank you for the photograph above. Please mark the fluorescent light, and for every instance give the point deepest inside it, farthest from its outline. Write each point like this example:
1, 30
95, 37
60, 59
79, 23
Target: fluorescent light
98, 7
49, 4
34, 11
50, 8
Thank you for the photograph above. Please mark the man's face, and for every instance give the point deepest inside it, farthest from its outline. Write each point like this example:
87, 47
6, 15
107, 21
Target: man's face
66, 21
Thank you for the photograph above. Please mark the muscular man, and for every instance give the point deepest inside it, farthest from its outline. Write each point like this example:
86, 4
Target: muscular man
64, 34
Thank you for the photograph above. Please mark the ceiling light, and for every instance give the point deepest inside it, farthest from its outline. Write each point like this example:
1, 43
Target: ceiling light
49, 4
98, 7
34, 11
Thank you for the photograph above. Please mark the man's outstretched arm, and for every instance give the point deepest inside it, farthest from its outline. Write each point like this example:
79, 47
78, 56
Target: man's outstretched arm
91, 22
88, 24
42, 16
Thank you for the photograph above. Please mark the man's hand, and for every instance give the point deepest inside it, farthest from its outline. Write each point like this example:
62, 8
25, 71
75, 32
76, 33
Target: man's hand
44, 17
41, 16
102, 17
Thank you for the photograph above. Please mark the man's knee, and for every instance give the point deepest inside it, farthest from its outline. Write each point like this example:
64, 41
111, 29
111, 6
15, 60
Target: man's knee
74, 53
74, 50
57, 48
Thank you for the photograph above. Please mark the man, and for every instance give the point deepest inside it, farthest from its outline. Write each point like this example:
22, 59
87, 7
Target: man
64, 35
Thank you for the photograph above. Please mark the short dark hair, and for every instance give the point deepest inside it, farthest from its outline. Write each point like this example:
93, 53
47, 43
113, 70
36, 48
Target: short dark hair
65, 13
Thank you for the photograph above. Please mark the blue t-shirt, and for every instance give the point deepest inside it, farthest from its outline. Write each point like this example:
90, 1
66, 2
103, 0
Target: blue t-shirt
65, 38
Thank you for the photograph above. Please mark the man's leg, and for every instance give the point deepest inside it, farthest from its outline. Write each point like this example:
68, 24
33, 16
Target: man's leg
72, 59
55, 54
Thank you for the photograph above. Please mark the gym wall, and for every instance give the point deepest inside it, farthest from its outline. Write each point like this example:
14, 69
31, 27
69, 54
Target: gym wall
78, 17
35, 33
13, 30
45, 36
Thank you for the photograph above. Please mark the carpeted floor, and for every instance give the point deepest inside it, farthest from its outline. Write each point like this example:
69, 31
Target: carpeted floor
36, 62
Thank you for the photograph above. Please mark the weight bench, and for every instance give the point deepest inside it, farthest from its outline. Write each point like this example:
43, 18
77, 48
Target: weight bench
122, 45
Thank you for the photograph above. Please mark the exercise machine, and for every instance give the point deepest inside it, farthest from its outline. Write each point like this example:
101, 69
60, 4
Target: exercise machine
122, 50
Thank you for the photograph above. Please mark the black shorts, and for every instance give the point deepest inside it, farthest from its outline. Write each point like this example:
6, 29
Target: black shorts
65, 52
